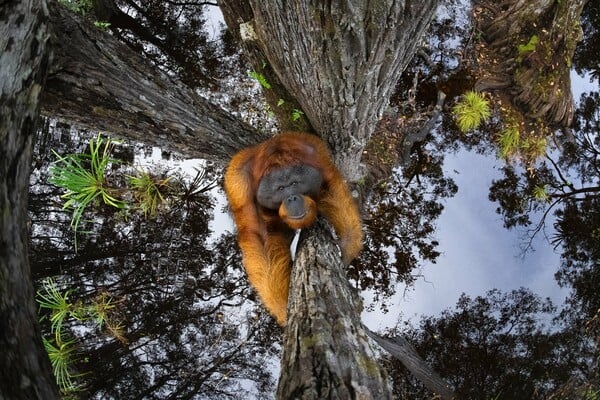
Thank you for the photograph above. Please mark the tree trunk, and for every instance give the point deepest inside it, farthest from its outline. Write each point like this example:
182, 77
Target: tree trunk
99, 83
530, 45
234, 12
326, 351
340, 60
25, 371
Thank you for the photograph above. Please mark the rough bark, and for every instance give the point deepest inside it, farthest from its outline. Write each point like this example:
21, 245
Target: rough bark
235, 12
340, 60
536, 81
326, 351
100, 83
327, 354
25, 371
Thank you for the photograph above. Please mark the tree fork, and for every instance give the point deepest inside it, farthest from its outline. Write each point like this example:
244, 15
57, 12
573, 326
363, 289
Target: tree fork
339, 60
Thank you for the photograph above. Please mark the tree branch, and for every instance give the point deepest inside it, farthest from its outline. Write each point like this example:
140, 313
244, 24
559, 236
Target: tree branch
412, 138
401, 349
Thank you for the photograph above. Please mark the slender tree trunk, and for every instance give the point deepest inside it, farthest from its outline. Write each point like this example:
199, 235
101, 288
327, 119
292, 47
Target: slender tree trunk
99, 83
326, 351
25, 371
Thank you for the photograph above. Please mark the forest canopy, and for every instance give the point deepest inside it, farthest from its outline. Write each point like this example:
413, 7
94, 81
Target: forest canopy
118, 268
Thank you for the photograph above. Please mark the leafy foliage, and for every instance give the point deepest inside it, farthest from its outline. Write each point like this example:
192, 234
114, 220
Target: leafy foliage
177, 38
49, 297
149, 191
297, 114
587, 53
471, 111
509, 140
154, 291
83, 177
61, 356
260, 78
524, 49
401, 228
62, 352
78, 6
492, 346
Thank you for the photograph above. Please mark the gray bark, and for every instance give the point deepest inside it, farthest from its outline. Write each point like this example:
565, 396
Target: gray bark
99, 83
25, 371
326, 351
340, 60
236, 11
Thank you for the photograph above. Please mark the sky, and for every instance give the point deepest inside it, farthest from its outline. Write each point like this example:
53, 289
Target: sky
478, 253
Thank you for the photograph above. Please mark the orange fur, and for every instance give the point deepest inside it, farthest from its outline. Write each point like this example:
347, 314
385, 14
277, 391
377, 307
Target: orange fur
263, 236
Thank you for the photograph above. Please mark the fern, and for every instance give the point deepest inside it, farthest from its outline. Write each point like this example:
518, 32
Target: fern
260, 78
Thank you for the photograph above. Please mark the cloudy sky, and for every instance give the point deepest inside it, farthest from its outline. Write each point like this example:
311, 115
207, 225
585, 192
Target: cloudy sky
478, 253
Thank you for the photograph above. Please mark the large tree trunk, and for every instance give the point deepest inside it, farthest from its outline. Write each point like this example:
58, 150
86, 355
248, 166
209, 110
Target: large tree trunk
528, 52
99, 83
340, 60
24, 367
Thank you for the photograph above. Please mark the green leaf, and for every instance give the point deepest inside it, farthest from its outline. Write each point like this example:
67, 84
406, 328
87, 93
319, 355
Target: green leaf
296, 114
524, 49
260, 78
471, 111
